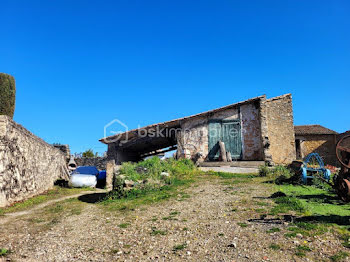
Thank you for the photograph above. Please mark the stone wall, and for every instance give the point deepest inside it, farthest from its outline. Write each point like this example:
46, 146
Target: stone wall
65, 149
99, 162
280, 129
28, 165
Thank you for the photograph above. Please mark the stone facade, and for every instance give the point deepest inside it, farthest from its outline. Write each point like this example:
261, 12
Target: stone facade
28, 165
280, 129
193, 139
324, 145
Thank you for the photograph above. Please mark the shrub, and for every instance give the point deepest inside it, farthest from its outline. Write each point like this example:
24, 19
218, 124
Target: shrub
280, 172
264, 170
7, 95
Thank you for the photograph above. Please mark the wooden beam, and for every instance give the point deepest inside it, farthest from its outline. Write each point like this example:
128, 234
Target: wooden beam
222, 151
229, 157
157, 152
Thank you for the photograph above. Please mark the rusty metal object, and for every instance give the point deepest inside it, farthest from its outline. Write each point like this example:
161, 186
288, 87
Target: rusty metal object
342, 181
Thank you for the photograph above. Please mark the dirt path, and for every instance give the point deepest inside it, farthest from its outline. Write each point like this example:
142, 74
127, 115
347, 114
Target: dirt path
211, 223
10, 216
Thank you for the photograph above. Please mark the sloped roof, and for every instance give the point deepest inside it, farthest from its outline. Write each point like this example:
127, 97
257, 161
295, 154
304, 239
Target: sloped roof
313, 130
175, 122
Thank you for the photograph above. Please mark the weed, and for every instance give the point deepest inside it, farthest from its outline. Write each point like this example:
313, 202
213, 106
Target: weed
341, 255
221, 234
155, 232
300, 254
4, 252
275, 247
179, 247
273, 230
124, 225
290, 235
303, 248
242, 224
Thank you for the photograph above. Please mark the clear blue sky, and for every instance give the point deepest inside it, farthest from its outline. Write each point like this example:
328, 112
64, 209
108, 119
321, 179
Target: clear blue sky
80, 64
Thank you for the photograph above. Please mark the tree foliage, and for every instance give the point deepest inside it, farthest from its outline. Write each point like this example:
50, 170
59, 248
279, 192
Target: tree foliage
7, 95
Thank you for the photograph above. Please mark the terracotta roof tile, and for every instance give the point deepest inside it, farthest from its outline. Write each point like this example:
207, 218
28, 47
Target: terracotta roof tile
313, 130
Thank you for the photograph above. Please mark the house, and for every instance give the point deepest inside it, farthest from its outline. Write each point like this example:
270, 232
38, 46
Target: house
316, 139
258, 129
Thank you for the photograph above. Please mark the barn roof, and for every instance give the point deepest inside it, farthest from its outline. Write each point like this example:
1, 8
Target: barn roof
172, 123
313, 130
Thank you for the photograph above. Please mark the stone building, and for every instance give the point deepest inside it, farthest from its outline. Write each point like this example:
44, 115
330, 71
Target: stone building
258, 129
316, 139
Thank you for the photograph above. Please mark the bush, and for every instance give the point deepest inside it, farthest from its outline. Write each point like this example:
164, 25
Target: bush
7, 95
264, 170
278, 172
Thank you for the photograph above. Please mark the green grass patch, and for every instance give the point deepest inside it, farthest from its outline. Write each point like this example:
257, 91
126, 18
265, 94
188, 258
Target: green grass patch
242, 224
317, 201
286, 204
124, 225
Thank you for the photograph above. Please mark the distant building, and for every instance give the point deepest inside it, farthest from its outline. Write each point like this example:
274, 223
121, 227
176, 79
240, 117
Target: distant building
316, 139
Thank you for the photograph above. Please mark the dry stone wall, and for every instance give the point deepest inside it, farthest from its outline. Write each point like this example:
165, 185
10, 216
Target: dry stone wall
99, 162
28, 165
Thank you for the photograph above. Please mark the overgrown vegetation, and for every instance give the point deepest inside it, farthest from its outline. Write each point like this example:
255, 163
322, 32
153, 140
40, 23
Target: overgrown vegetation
153, 180
7, 95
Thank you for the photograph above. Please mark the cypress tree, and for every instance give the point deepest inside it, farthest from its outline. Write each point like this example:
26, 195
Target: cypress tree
7, 95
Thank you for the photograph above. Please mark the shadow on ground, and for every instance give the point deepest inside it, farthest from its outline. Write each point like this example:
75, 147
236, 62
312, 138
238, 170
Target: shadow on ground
92, 198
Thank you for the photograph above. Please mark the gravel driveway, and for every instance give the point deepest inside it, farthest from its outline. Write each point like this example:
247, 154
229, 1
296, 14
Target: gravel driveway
211, 223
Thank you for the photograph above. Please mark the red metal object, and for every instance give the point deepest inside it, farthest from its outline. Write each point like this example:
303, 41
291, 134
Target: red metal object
342, 181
